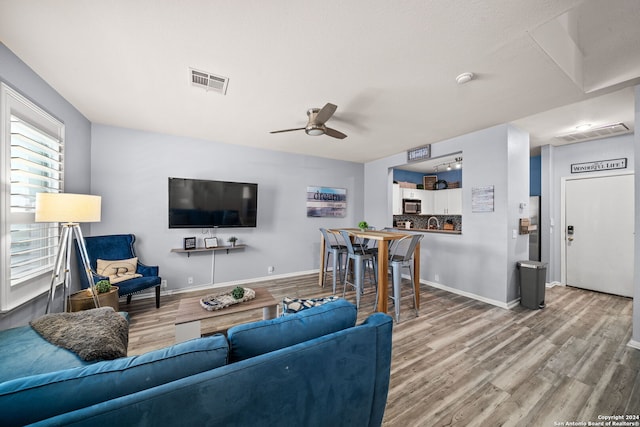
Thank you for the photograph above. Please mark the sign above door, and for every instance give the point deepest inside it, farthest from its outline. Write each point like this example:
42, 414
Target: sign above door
599, 165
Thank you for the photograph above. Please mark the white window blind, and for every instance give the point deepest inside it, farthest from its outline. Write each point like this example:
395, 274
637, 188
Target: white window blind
36, 166
33, 162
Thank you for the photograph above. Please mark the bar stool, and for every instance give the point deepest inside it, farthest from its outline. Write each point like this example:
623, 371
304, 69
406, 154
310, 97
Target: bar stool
336, 250
401, 256
360, 257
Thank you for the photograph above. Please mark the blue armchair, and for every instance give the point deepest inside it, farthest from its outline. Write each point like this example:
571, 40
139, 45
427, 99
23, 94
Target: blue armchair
119, 247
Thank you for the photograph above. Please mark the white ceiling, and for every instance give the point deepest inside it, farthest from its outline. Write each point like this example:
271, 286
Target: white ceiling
390, 66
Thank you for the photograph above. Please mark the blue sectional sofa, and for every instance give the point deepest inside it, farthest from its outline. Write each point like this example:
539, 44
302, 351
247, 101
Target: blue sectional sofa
312, 368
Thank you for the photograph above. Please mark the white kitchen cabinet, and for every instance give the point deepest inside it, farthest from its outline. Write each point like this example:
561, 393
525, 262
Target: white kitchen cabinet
455, 201
440, 202
425, 197
397, 199
410, 193
447, 202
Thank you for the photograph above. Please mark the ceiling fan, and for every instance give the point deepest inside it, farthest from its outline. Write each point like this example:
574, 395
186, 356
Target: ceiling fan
316, 125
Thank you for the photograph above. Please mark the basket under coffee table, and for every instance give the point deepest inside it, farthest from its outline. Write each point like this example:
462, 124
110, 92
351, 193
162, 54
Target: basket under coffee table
190, 313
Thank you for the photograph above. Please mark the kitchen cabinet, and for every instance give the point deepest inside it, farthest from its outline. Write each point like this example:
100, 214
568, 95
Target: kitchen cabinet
410, 193
447, 202
455, 201
396, 201
425, 197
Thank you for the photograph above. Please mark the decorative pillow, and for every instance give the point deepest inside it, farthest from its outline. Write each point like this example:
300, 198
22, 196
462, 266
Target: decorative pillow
294, 305
118, 270
96, 334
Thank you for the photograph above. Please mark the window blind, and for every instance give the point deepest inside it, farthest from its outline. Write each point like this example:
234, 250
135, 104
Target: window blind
36, 166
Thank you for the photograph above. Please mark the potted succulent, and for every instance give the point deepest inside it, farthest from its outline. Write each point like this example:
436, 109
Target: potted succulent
107, 297
233, 240
103, 286
363, 226
107, 294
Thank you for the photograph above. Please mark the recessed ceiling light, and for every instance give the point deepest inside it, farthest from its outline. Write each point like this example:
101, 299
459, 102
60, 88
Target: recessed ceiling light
464, 78
584, 126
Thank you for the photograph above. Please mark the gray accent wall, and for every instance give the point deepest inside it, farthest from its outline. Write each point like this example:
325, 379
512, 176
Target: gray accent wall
481, 262
77, 161
130, 170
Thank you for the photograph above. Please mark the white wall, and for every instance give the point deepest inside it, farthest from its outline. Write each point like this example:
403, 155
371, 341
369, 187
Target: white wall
20, 77
130, 171
557, 161
480, 261
518, 177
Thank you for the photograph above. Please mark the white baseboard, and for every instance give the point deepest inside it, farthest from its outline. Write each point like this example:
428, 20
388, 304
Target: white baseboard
634, 344
507, 306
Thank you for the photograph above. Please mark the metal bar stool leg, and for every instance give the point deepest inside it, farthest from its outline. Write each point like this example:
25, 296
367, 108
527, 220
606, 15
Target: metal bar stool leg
413, 290
397, 281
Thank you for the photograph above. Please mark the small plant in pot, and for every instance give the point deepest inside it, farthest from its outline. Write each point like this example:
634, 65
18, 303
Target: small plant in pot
107, 296
233, 240
363, 226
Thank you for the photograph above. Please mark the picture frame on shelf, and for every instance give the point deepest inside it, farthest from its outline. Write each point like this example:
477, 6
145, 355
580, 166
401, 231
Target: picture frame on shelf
189, 243
210, 242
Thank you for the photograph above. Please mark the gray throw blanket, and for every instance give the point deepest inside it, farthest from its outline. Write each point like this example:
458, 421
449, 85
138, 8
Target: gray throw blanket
96, 334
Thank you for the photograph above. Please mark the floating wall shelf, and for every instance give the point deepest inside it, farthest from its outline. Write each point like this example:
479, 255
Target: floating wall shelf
217, 248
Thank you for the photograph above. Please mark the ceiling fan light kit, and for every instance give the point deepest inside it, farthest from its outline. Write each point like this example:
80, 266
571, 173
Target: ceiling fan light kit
314, 131
316, 124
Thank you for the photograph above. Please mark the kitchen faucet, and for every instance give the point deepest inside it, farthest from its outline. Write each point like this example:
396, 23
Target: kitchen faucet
437, 222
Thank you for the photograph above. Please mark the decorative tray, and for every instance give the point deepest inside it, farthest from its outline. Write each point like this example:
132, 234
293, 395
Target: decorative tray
225, 299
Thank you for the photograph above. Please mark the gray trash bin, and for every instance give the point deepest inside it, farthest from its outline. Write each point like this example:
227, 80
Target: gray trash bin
533, 275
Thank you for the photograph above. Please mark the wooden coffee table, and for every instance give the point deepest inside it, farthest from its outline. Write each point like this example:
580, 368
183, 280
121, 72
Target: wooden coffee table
190, 313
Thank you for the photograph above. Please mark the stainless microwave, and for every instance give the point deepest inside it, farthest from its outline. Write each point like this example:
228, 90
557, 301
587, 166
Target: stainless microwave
411, 206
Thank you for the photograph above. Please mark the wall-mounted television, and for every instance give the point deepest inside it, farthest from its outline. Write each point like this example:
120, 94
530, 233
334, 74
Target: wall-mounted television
199, 203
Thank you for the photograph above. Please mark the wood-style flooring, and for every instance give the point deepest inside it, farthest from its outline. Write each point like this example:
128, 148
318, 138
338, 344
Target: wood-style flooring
466, 363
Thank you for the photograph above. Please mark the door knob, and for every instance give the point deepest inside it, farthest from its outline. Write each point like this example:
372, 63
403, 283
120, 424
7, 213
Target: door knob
570, 239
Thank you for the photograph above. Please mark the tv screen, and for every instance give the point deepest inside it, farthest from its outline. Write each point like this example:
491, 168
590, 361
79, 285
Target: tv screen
198, 203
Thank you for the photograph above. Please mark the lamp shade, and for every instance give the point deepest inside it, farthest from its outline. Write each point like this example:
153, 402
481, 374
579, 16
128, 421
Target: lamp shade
67, 207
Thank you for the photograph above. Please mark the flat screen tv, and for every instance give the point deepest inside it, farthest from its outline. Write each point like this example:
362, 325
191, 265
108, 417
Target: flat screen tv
199, 203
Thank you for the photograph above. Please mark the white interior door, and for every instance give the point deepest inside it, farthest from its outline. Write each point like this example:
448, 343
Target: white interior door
599, 234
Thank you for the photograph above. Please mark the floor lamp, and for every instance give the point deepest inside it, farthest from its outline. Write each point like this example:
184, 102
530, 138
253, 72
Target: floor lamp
70, 210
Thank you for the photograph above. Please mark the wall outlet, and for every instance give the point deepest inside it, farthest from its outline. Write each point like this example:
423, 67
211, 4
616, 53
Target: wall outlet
436, 277
271, 269
190, 280
163, 284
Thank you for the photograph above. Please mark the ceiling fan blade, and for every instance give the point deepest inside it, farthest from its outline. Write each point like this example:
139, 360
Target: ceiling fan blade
335, 133
325, 113
285, 130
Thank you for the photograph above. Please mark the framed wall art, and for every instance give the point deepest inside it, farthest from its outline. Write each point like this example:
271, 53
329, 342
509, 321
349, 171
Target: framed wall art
211, 242
189, 243
326, 202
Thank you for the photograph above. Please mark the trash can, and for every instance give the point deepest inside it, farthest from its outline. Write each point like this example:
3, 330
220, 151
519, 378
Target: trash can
533, 275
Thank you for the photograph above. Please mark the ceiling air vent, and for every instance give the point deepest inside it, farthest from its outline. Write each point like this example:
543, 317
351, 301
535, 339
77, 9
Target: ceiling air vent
601, 132
209, 81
